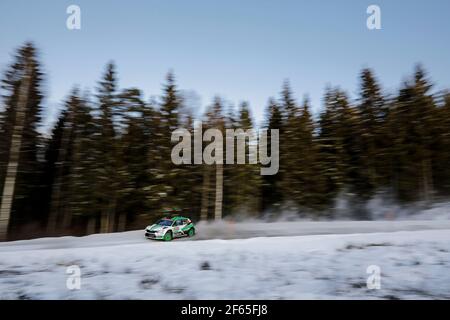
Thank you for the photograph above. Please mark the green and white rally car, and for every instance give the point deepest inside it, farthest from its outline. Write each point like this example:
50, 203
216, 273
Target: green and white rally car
169, 228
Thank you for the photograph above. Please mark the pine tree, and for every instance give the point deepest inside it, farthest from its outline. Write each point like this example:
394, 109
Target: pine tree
271, 184
141, 186
243, 183
106, 153
62, 163
414, 117
215, 120
176, 194
169, 109
19, 166
309, 177
372, 113
81, 200
51, 154
336, 134
289, 152
133, 158
441, 154
70, 163
170, 105
426, 111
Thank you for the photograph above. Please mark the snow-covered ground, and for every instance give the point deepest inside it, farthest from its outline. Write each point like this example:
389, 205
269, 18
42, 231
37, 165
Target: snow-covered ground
413, 264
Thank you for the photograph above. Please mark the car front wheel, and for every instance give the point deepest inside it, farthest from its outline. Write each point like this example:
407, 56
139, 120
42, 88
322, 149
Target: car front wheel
168, 236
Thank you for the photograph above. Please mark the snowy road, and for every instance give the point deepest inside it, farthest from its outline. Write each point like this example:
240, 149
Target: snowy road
227, 230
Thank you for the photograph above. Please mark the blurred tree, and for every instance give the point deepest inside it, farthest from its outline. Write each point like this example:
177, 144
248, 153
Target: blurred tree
133, 156
441, 147
20, 169
414, 117
372, 113
215, 120
331, 146
271, 184
173, 177
310, 181
81, 202
70, 163
106, 150
340, 146
289, 152
62, 164
243, 185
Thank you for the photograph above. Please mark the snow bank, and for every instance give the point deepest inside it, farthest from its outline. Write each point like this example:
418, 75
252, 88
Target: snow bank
414, 264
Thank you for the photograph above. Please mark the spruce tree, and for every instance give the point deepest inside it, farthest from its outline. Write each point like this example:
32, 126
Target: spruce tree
414, 117
309, 176
174, 195
289, 152
81, 200
20, 169
133, 160
372, 114
70, 163
244, 181
215, 119
336, 138
441, 150
271, 184
106, 150
62, 165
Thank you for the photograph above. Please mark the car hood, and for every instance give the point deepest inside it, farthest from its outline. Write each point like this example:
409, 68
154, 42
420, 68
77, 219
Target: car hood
155, 227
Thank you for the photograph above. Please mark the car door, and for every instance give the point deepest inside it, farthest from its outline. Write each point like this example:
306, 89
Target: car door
184, 223
177, 226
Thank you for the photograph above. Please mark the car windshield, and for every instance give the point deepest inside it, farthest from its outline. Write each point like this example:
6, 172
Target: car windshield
164, 222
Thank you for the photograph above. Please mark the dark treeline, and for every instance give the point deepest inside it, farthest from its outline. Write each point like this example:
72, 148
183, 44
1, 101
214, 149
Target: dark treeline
106, 165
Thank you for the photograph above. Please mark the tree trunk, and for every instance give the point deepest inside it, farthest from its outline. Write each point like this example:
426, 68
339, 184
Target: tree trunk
55, 205
14, 154
426, 180
90, 229
122, 223
205, 195
67, 219
108, 218
112, 217
219, 192
104, 222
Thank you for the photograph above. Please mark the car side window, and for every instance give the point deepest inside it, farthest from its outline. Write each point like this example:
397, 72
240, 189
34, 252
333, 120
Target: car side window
178, 223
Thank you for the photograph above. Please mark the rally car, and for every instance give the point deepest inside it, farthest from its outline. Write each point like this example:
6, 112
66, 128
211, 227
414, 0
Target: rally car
169, 228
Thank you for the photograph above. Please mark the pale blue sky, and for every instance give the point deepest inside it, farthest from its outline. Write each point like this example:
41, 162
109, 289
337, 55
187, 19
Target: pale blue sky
239, 49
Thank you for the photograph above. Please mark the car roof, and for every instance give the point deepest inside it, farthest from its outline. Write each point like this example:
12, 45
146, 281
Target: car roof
178, 218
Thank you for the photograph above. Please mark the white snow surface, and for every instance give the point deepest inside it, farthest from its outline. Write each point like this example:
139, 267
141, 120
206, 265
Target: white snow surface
414, 265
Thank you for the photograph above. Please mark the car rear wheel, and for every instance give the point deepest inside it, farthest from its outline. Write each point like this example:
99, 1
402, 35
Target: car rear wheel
191, 232
168, 236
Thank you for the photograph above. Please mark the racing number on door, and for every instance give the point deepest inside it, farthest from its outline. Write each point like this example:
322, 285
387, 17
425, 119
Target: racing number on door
177, 228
